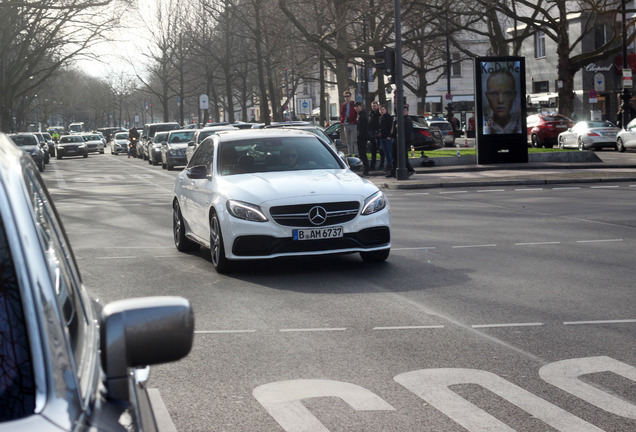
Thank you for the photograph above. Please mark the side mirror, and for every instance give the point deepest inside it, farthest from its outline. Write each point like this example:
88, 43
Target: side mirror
355, 164
192, 144
140, 332
198, 172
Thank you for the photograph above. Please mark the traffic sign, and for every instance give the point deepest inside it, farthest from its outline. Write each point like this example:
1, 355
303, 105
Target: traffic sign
449, 97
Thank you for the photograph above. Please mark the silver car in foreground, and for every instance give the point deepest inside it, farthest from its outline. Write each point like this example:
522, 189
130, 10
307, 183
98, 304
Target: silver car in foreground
626, 138
68, 363
270, 193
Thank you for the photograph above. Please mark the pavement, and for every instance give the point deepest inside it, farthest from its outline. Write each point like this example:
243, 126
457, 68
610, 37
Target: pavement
531, 173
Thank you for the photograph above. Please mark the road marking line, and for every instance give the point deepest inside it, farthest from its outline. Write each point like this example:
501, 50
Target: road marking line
223, 331
453, 192
313, 329
117, 257
603, 187
416, 193
599, 241
409, 327
566, 188
529, 189
531, 324
537, 243
414, 248
162, 416
474, 246
491, 190
622, 321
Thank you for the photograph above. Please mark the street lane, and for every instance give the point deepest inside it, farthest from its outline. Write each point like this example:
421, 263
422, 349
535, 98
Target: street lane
487, 286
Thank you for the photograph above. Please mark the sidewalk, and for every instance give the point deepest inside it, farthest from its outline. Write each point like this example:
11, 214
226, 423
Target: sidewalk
532, 173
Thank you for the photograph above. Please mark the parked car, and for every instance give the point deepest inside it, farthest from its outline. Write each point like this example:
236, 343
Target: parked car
151, 128
50, 142
69, 363
44, 145
71, 145
118, 143
200, 135
94, 142
174, 148
446, 129
590, 135
425, 137
544, 129
244, 195
154, 147
28, 143
626, 138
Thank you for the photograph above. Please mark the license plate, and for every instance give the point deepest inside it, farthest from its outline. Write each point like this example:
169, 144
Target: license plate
562, 126
317, 233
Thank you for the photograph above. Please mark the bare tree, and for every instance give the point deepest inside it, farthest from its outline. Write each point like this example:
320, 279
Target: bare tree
39, 37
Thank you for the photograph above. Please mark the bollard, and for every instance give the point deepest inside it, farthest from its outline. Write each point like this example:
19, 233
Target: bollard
458, 153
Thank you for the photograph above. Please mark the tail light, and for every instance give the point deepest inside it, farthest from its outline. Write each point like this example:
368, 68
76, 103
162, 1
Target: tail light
593, 134
425, 133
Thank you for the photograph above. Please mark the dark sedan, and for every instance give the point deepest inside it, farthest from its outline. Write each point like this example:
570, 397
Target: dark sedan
68, 362
71, 145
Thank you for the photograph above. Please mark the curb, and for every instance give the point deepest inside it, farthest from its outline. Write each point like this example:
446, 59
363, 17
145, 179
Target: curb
415, 184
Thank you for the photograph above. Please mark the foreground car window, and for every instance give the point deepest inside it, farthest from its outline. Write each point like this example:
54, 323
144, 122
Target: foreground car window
279, 154
63, 272
17, 387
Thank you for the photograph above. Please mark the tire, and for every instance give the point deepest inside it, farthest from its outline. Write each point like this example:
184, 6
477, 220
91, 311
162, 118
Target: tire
169, 166
59, 156
620, 146
535, 141
163, 165
41, 165
581, 146
101, 152
86, 154
154, 162
181, 242
217, 250
375, 256
561, 146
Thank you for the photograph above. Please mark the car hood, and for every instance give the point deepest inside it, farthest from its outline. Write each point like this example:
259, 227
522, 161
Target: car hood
29, 148
276, 188
177, 145
70, 143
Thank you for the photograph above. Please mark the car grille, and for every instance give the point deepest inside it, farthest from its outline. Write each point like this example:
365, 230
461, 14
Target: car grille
263, 246
299, 215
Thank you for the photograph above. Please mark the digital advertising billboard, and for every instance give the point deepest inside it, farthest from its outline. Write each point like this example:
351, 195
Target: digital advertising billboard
500, 84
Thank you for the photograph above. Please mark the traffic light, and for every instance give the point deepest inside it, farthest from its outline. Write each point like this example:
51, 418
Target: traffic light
385, 61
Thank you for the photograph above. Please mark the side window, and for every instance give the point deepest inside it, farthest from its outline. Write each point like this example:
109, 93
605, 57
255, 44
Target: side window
17, 386
203, 154
62, 270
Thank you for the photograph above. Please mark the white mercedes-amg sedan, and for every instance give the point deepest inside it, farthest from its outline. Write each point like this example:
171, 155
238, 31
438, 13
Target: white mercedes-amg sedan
259, 194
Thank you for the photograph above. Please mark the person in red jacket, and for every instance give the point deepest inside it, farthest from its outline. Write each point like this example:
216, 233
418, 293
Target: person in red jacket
348, 120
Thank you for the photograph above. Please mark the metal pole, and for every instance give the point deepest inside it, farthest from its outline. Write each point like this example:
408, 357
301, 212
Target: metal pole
401, 172
626, 97
449, 107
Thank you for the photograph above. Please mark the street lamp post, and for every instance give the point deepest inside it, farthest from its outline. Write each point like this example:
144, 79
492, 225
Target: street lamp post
449, 107
626, 96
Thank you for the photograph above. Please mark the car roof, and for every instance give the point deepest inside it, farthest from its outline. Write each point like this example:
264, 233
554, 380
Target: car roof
243, 134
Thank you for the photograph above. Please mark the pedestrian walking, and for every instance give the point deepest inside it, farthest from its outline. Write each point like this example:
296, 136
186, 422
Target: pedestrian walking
374, 135
386, 125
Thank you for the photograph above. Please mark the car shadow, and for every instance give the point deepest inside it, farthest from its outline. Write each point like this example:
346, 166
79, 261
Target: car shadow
343, 274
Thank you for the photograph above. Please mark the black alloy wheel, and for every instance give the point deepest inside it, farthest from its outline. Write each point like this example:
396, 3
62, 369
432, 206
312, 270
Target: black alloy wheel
181, 242
217, 250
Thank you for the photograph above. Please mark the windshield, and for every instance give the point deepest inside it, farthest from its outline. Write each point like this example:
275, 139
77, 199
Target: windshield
91, 138
181, 137
121, 136
71, 139
276, 154
24, 140
160, 136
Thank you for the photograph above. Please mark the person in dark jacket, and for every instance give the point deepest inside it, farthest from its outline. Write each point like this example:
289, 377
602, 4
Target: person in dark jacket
408, 138
386, 126
363, 136
374, 135
348, 119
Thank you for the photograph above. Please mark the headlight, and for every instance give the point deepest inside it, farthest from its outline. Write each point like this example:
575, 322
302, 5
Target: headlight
172, 152
246, 211
374, 203
82, 146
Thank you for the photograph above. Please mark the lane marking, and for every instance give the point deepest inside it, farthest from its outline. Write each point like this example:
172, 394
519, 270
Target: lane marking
162, 416
414, 248
409, 327
537, 243
620, 321
599, 241
327, 329
529, 189
530, 324
453, 192
474, 246
566, 188
416, 193
222, 331
603, 187
491, 190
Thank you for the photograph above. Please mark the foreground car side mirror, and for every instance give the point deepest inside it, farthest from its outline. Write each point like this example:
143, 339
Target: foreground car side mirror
355, 164
140, 332
198, 172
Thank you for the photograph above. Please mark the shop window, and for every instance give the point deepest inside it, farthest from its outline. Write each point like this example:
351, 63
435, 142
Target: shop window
540, 86
539, 44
